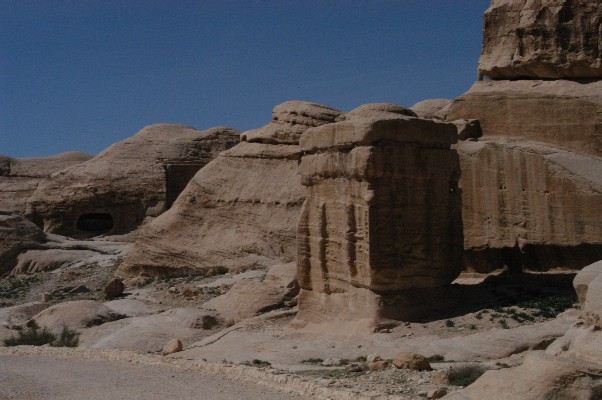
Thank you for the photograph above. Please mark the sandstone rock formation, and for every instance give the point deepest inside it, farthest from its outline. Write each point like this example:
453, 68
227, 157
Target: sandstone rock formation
16, 235
78, 314
432, 108
239, 210
560, 112
527, 204
549, 39
382, 215
19, 177
136, 178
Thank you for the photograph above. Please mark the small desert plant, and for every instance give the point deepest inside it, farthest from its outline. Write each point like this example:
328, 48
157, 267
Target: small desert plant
36, 336
437, 358
260, 363
449, 323
466, 374
503, 323
313, 361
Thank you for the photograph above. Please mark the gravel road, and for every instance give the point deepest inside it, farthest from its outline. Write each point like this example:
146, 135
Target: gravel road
48, 377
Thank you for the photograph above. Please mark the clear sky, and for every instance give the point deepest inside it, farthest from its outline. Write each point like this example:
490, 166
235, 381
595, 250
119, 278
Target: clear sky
83, 74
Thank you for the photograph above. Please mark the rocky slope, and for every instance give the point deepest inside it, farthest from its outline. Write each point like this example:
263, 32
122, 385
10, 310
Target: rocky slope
136, 178
240, 210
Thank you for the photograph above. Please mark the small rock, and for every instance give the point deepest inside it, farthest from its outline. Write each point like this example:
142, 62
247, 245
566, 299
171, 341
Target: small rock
436, 393
114, 288
173, 346
412, 361
372, 357
354, 367
331, 362
173, 290
46, 297
291, 303
379, 365
440, 377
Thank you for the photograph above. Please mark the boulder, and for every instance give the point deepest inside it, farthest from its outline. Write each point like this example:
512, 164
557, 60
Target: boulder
584, 278
150, 333
375, 182
527, 204
562, 113
432, 108
19, 177
239, 211
136, 178
411, 361
246, 299
114, 288
16, 235
76, 315
551, 39
539, 377
283, 276
17, 316
173, 346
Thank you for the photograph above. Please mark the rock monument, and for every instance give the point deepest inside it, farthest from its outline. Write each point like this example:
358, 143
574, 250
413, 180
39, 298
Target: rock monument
382, 216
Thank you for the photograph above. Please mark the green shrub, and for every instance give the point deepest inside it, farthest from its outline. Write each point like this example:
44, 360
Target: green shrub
36, 336
466, 374
449, 323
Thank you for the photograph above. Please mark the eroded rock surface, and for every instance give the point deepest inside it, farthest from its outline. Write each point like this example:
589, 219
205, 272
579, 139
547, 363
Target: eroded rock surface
239, 210
563, 113
19, 177
527, 204
382, 214
133, 179
16, 235
542, 39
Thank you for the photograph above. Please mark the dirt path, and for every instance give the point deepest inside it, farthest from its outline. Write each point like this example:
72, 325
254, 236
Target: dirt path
51, 376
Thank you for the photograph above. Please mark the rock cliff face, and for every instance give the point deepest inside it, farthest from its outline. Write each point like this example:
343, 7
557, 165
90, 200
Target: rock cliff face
16, 235
238, 211
382, 215
527, 204
548, 39
136, 178
561, 112
19, 177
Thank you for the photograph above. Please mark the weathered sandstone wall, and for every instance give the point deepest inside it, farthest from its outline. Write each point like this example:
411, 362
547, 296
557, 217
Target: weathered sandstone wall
382, 215
136, 178
549, 39
238, 211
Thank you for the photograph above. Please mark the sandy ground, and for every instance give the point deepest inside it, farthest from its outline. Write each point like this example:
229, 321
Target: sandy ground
53, 376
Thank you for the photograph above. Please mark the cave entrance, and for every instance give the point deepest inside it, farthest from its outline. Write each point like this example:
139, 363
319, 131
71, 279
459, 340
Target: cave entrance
95, 222
177, 177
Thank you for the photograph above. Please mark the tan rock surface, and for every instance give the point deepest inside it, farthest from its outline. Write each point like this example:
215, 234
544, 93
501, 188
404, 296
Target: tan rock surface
19, 177
540, 377
561, 112
527, 204
374, 182
432, 108
17, 234
584, 278
239, 211
173, 346
411, 361
549, 39
76, 315
133, 179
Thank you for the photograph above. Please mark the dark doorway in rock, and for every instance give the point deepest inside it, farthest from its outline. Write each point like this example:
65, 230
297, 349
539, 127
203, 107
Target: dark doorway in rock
177, 177
95, 223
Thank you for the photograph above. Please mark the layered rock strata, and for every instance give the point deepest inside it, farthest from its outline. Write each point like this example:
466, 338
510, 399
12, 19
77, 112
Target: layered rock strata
19, 177
529, 205
136, 178
241, 209
382, 216
548, 39
561, 112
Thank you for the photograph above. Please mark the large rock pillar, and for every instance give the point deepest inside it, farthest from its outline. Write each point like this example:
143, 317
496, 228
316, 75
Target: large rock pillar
381, 221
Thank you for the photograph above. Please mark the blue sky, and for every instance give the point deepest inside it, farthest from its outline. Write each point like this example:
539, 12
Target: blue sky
83, 74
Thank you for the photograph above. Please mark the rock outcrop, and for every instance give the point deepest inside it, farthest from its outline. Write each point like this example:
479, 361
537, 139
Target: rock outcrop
19, 177
241, 209
16, 235
382, 215
527, 204
562, 113
136, 178
551, 39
